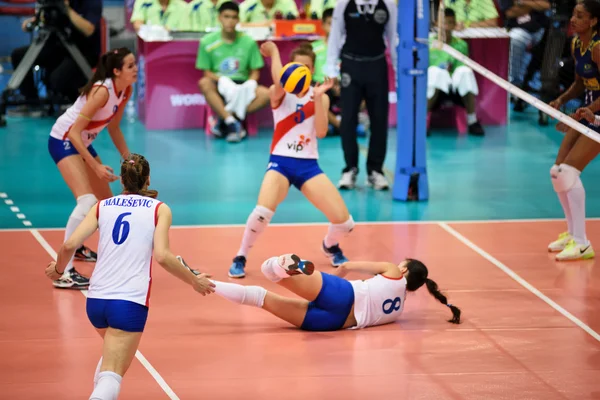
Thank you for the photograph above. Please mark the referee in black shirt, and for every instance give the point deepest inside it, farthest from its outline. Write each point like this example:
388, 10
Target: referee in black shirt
364, 75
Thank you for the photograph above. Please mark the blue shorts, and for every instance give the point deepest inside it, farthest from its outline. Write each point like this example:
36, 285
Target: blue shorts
60, 149
119, 314
329, 311
296, 170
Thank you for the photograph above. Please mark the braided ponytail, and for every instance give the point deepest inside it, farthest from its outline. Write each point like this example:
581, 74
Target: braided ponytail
135, 171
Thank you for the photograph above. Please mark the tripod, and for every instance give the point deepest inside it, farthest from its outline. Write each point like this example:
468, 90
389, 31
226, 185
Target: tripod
29, 59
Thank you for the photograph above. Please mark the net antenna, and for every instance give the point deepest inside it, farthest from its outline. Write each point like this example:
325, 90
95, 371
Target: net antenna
441, 32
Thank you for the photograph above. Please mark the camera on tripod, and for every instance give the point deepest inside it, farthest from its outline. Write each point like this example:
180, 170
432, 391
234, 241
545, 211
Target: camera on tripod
51, 14
52, 21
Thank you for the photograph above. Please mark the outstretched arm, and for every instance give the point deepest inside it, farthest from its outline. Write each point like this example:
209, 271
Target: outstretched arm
269, 49
168, 261
322, 107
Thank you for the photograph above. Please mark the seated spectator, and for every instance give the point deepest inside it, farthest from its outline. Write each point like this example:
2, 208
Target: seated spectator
474, 13
319, 47
265, 10
526, 22
450, 80
64, 77
204, 15
231, 62
172, 14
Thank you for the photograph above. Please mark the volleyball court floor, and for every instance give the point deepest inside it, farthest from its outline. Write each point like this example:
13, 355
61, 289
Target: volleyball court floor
530, 324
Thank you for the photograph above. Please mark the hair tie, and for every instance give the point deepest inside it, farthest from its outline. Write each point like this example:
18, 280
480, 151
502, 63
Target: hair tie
449, 305
131, 162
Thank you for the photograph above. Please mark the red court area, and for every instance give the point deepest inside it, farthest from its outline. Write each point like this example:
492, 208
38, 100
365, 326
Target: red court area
512, 343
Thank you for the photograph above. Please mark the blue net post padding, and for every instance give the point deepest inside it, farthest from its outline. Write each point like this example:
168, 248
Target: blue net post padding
410, 181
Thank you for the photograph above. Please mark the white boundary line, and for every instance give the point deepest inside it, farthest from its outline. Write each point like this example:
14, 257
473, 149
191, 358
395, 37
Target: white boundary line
364, 223
520, 280
11, 204
143, 360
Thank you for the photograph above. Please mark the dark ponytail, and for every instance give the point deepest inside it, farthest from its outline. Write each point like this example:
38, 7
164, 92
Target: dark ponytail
432, 287
105, 69
135, 171
593, 7
417, 277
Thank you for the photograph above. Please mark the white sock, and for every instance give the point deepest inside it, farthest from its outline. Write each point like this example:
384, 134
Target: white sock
108, 387
564, 202
230, 120
97, 373
257, 221
471, 118
240, 294
337, 231
576, 200
273, 270
84, 205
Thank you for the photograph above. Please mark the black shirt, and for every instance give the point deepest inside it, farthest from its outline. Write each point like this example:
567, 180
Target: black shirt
90, 47
366, 24
532, 22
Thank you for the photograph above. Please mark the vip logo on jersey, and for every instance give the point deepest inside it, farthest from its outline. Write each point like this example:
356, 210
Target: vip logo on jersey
115, 108
229, 66
298, 146
92, 136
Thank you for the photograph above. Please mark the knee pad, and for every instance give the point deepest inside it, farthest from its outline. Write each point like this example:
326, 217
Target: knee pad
564, 177
84, 205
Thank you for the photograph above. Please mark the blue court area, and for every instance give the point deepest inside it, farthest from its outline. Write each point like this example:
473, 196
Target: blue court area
503, 175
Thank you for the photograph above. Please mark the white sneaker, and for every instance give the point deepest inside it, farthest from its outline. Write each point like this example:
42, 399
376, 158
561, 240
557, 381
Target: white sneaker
575, 251
560, 243
378, 181
348, 180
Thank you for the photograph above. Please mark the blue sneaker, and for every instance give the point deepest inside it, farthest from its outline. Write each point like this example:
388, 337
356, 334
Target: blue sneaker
237, 268
335, 255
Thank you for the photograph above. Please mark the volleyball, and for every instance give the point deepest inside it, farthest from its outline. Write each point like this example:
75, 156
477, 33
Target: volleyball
295, 78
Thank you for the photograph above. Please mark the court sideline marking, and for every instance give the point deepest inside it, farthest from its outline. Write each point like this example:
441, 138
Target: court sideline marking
15, 209
360, 223
519, 280
143, 360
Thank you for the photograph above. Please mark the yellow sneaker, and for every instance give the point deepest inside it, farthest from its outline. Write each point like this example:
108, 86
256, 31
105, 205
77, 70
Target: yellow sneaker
576, 251
560, 243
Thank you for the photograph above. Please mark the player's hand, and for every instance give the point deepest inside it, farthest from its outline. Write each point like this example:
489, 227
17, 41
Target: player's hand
203, 285
556, 104
51, 271
105, 173
562, 127
322, 88
268, 49
586, 113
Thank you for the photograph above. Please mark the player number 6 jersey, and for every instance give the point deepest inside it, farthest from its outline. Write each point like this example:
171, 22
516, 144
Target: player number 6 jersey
126, 224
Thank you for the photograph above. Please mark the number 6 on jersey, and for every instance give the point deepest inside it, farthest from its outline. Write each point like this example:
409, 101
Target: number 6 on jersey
120, 235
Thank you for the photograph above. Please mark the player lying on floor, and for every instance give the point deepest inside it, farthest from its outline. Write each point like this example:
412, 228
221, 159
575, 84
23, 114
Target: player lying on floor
331, 303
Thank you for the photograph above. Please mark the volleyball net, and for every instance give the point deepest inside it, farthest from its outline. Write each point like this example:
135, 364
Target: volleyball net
538, 68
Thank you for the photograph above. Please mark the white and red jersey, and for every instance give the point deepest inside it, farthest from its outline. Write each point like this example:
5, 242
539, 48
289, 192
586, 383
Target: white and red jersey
99, 120
378, 300
123, 271
295, 134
